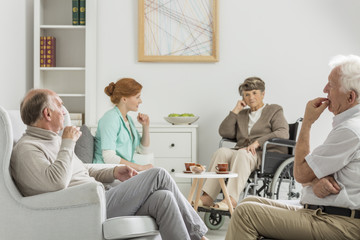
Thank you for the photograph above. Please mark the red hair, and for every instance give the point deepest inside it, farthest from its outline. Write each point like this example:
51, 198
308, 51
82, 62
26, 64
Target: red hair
125, 87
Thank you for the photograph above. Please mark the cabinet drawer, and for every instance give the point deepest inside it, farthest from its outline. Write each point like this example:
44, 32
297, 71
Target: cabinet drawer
173, 165
171, 144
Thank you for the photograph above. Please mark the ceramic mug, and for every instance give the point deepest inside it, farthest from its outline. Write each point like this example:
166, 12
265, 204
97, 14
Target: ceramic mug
222, 167
188, 165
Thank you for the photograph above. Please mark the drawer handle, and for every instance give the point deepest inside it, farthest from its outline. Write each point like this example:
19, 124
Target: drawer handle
172, 170
172, 145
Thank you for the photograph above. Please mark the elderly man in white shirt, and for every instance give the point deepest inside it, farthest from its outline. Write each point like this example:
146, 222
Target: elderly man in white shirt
330, 174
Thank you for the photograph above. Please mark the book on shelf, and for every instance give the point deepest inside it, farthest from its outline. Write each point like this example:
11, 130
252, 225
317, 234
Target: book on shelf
75, 12
47, 51
50, 51
42, 51
82, 14
78, 12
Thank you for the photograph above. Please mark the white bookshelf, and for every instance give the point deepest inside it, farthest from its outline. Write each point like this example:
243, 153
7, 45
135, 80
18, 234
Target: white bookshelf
74, 77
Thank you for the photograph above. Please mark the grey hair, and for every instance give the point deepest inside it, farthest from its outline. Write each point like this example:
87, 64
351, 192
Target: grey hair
349, 72
31, 109
252, 83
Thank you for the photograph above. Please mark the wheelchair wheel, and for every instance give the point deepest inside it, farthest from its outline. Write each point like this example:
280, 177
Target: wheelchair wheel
283, 184
213, 220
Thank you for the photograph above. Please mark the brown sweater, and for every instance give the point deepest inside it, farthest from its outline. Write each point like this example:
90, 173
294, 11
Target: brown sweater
271, 124
44, 162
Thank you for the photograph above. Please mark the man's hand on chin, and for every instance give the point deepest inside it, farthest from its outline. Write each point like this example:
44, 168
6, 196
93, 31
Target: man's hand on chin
123, 173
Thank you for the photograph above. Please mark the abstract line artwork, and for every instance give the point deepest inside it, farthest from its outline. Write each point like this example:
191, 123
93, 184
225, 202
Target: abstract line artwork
178, 30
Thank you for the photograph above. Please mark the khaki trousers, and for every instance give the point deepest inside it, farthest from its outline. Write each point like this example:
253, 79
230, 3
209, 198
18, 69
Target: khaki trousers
240, 162
256, 216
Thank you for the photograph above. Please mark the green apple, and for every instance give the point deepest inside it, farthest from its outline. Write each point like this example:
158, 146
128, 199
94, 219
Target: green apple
187, 115
174, 115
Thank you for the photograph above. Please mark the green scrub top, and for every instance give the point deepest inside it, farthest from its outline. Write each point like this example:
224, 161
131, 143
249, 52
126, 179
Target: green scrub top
112, 134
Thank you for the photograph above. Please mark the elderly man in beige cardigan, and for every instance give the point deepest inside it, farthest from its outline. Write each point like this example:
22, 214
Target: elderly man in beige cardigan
251, 123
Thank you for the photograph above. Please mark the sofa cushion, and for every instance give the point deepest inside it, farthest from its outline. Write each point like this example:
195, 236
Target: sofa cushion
84, 148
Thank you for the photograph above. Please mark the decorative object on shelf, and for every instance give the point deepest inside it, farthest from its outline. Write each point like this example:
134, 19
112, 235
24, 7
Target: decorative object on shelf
76, 119
47, 51
178, 31
181, 120
78, 12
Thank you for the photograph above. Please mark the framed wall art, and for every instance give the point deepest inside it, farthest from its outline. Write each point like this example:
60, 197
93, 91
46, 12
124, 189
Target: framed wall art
178, 31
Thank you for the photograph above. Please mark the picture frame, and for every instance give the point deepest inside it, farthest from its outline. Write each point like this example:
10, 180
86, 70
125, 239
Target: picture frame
178, 31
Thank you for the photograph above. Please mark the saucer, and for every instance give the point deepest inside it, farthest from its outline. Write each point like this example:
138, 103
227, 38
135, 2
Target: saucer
187, 171
222, 172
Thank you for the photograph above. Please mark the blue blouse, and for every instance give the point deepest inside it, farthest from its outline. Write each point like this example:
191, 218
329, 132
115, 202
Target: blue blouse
112, 134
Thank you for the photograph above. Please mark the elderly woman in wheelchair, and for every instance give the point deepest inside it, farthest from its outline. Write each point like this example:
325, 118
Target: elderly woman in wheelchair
251, 123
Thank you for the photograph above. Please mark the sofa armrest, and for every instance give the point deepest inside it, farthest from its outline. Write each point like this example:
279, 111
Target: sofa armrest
73, 197
131, 227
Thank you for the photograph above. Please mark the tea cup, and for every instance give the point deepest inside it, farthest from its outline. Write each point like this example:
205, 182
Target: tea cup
222, 167
188, 165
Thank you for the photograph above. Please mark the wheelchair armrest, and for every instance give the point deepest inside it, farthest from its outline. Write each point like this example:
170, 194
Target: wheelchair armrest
277, 142
226, 140
280, 142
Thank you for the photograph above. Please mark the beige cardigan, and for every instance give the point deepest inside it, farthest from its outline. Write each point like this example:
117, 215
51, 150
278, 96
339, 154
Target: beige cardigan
43, 162
271, 124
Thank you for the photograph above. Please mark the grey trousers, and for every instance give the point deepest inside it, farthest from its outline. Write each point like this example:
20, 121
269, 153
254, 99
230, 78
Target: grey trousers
154, 193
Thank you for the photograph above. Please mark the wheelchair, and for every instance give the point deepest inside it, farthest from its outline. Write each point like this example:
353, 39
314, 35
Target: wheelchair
273, 180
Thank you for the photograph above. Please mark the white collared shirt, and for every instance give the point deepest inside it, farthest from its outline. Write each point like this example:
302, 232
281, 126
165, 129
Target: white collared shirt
254, 117
339, 156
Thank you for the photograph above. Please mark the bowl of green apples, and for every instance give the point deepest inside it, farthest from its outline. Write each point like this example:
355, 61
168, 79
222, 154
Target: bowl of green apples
181, 119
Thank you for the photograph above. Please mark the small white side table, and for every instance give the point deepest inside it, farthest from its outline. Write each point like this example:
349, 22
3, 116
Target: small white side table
198, 179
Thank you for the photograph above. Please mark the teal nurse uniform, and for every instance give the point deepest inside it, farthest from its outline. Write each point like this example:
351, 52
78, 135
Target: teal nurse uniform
112, 134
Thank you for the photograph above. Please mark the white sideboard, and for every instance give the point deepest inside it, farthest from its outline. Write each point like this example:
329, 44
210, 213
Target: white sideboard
173, 145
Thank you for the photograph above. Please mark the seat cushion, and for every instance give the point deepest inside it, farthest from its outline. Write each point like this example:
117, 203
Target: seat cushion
129, 227
84, 148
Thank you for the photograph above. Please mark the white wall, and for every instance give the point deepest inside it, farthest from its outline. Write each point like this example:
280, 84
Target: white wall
16, 56
287, 43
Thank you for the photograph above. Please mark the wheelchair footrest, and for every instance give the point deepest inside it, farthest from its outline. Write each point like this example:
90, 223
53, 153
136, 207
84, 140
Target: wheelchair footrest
212, 210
